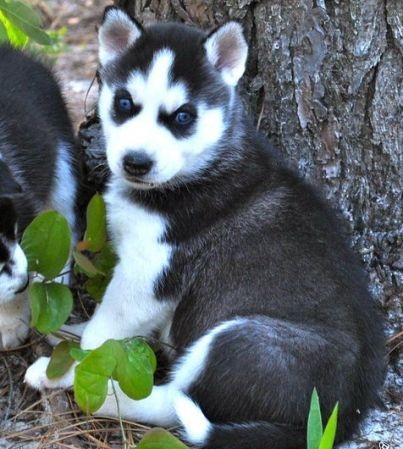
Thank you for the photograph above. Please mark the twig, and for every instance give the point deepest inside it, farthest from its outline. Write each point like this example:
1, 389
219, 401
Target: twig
119, 415
10, 390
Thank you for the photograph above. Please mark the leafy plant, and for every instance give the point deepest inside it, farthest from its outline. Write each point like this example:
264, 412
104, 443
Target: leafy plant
131, 362
99, 269
46, 243
160, 439
316, 437
21, 26
61, 359
20, 23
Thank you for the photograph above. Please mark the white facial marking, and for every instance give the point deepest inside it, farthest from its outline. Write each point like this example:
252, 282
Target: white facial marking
172, 156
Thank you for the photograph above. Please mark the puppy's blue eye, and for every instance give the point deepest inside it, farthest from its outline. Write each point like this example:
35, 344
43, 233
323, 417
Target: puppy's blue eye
125, 104
184, 118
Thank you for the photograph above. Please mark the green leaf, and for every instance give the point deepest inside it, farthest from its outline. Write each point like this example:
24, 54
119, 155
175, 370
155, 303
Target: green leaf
14, 35
61, 360
51, 304
46, 243
131, 362
79, 354
314, 426
92, 375
135, 369
160, 439
3, 32
85, 264
26, 19
329, 433
138, 347
95, 234
96, 287
104, 262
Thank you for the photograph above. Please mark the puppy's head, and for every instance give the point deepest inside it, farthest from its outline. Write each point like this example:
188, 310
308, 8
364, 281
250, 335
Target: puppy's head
166, 96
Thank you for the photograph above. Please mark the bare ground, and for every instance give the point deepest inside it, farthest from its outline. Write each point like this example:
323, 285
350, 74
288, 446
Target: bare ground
52, 420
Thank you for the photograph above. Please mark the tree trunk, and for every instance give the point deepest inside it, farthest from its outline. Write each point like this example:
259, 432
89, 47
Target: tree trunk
324, 82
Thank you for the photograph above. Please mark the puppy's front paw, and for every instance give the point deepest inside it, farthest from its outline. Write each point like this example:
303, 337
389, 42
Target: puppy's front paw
13, 334
36, 376
14, 319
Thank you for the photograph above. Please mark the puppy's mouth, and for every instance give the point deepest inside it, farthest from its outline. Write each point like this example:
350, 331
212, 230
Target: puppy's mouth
140, 183
24, 287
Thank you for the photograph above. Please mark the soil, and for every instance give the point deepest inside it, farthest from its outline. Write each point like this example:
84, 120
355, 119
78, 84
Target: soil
76, 67
51, 420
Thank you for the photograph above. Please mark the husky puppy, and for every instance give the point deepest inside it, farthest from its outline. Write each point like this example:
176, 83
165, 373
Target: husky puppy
230, 256
38, 171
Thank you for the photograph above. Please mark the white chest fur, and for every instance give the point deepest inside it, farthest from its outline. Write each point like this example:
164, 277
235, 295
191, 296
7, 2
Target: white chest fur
129, 307
137, 234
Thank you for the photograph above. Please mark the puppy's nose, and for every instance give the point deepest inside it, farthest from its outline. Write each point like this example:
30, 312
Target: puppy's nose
137, 163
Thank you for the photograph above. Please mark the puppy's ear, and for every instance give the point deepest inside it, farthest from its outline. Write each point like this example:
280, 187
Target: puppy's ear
227, 50
8, 185
118, 31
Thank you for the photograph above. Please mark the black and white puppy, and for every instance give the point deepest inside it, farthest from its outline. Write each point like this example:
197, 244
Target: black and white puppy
231, 257
38, 170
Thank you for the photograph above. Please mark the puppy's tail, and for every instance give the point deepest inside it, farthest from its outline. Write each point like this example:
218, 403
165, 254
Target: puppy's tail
257, 435
199, 431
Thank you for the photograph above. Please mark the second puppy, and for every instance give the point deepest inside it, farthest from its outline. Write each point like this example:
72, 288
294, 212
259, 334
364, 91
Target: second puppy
38, 171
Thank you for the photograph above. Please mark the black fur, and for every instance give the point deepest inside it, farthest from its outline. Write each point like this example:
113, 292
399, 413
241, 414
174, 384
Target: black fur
8, 184
258, 242
8, 222
33, 120
252, 239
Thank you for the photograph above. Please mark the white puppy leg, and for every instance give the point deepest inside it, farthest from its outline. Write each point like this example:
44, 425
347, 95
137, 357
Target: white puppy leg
126, 311
14, 321
67, 331
166, 406
36, 373
169, 404
157, 409
123, 313
36, 376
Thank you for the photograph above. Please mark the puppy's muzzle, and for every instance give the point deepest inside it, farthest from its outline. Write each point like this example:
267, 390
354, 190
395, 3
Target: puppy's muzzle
137, 164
